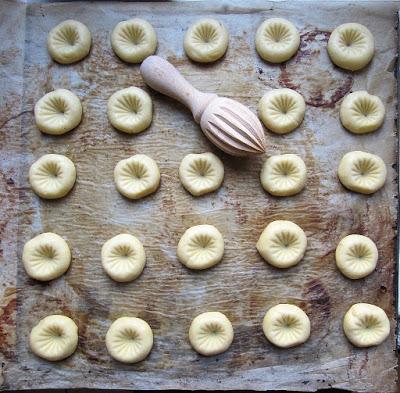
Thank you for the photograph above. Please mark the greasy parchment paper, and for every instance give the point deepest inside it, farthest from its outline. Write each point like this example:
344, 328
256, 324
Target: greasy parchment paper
167, 295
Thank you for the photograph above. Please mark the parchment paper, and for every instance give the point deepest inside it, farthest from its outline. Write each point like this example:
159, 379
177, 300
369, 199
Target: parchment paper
242, 286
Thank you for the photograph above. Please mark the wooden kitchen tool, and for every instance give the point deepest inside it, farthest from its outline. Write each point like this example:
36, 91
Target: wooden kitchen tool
228, 124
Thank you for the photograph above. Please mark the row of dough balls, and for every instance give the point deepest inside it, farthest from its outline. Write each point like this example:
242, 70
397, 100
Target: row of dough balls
282, 244
130, 339
132, 41
350, 46
52, 176
130, 110
283, 110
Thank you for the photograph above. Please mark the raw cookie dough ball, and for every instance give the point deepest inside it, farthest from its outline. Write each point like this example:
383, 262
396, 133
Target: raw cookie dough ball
123, 257
286, 325
52, 176
68, 42
366, 325
130, 110
137, 176
206, 41
211, 333
283, 175
46, 257
362, 172
201, 173
133, 40
201, 247
356, 256
58, 112
282, 244
361, 112
54, 338
282, 110
277, 40
351, 46
129, 340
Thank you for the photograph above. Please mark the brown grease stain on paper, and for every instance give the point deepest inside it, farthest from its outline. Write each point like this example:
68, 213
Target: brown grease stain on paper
325, 87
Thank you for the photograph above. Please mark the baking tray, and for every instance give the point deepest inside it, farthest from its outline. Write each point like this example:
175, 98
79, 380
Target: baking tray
242, 286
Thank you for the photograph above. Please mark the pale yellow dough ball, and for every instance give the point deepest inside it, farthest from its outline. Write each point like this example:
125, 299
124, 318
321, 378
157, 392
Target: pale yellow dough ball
282, 244
361, 112
54, 338
130, 110
366, 325
52, 176
277, 40
133, 40
123, 257
46, 257
206, 41
286, 325
362, 172
356, 256
129, 339
351, 46
211, 333
283, 175
282, 110
201, 173
69, 42
58, 112
201, 247
137, 176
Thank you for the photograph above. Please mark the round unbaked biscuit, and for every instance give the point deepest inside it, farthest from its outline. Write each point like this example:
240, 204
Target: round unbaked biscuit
46, 257
129, 340
361, 112
201, 247
206, 40
356, 256
283, 175
211, 333
54, 338
286, 325
123, 257
52, 176
366, 325
137, 176
362, 172
351, 46
69, 42
282, 110
277, 40
58, 112
282, 244
133, 40
130, 110
201, 173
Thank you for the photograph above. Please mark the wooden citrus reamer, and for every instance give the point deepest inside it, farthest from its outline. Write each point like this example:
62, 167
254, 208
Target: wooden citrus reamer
228, 124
